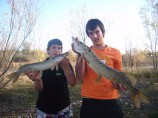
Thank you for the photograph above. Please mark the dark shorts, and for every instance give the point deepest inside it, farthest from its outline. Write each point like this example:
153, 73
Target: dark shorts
93, 108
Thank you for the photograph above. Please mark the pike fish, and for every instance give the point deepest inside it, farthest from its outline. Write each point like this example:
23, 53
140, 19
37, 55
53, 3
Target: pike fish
105, 71
39, 66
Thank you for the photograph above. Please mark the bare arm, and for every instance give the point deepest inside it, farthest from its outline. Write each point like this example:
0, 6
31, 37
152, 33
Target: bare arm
36, 78
68, 71
80, 68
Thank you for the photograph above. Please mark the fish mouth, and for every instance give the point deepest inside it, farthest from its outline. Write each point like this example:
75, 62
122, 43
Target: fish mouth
75, 41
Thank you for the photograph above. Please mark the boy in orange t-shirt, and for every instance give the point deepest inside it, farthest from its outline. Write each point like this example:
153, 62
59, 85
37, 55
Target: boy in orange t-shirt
99, 98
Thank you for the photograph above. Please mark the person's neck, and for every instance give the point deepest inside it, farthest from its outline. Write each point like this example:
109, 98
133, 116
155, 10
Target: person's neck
100, 46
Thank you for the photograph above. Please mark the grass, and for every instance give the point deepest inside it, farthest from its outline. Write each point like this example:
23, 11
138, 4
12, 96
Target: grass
19, 101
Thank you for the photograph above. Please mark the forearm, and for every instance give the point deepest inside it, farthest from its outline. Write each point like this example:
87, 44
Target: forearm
68, 71
36, 78
38, 85
71, 78
80, 68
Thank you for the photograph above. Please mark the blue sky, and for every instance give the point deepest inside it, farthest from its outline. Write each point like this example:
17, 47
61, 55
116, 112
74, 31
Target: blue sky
123, 15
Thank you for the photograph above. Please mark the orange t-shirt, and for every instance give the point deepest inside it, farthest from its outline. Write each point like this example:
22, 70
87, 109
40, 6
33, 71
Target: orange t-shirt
103, 89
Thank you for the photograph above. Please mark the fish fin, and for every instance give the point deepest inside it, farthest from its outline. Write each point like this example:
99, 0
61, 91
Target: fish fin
143, 98
14, 76
98, 78
136, 101
139, 97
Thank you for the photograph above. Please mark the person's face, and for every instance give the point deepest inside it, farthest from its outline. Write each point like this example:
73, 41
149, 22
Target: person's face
96, 36
54, 50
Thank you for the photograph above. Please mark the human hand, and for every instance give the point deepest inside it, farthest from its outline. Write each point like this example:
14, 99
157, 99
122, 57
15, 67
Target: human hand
34, 75
119, 86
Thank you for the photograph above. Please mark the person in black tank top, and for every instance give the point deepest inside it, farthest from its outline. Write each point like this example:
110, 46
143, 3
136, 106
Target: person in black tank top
52, 85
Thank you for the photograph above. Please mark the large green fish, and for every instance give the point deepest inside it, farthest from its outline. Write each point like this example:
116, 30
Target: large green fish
105, 71
40, 66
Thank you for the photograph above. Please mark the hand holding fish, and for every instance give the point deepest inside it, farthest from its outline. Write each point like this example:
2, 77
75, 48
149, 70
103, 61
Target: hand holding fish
119, 86
34, 75
65, 65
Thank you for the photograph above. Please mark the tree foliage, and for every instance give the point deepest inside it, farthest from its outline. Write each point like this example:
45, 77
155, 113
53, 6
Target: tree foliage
134, 58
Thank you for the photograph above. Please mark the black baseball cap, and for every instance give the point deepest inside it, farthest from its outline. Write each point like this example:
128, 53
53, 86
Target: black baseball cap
54, 41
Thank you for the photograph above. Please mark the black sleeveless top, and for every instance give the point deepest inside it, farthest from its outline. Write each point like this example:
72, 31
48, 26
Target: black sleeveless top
55, 94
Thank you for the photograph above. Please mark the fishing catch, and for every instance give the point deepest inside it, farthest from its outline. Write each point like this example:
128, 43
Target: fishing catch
105, 71
40, 66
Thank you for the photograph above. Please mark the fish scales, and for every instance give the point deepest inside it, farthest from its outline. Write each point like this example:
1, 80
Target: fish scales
39, 66
105, 71
99, 67
109, 73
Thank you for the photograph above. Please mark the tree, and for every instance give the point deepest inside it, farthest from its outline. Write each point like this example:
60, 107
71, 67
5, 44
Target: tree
136, 58
79, 18
150, 20
15, 27
26, 48
78, 22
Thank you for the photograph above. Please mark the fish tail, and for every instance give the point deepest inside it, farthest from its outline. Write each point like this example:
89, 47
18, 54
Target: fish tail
14, 76
139, 97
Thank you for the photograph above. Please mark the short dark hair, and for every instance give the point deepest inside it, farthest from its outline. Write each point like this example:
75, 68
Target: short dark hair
54, 41
93, 23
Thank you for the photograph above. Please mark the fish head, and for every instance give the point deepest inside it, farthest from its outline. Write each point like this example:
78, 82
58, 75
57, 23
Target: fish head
60, 57
79, 46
